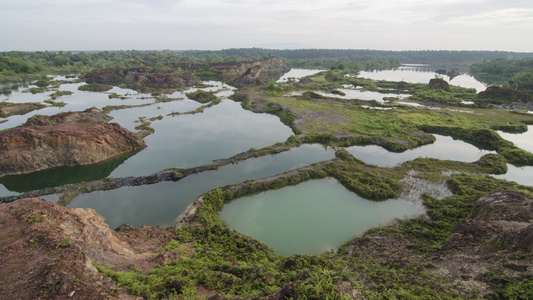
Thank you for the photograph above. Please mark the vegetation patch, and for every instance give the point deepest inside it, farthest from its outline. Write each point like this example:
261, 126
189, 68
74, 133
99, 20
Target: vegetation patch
59, 94
95, 87
202, 96
55, 103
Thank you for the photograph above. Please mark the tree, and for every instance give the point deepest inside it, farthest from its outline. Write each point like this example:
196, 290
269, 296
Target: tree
523, 77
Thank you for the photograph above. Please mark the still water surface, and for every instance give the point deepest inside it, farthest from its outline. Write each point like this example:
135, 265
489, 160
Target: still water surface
422, 74
520, 174
191, 140
444, 147
311, 217
521, 140
160, 204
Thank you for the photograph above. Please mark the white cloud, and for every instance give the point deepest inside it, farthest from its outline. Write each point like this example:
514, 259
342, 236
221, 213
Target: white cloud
215, 24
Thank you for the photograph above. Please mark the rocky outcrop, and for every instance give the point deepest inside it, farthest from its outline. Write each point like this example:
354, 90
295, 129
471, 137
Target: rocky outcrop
439, 83
142, 79
257, 72
65, 139
51, 252
500, 95
504, 218
498, 235
252, 76
499, 228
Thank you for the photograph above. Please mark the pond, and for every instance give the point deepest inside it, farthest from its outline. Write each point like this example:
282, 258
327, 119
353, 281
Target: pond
521, 175
444, 148
168, 200
311, 217
298, 74
422, 74
181, 141
521, 140
190, 140
162, 203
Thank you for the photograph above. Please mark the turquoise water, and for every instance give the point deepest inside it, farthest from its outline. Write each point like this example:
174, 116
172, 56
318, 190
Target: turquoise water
311, 217
161, 204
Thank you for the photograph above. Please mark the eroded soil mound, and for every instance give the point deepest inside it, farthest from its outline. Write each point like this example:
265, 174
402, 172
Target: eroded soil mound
49, 251
65, 139
142, 79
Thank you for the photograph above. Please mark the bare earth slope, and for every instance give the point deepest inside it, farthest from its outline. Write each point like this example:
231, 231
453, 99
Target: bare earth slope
65, 139
48, 251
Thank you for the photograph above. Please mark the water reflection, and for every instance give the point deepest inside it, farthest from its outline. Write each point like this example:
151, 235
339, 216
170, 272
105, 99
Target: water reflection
298, 73
60, 176
422, 74
444, 147
160, 204
191, 140
521, 140
521, 175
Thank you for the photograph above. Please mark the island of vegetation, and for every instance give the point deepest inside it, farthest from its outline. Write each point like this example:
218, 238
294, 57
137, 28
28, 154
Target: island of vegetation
476, 243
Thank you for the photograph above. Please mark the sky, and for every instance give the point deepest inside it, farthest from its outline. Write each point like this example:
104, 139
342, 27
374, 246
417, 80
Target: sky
69, 25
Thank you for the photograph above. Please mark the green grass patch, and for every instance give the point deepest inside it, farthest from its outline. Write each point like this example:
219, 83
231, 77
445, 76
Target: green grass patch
95, 87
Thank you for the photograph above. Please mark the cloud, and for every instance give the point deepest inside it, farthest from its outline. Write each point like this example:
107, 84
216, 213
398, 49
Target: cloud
183, 24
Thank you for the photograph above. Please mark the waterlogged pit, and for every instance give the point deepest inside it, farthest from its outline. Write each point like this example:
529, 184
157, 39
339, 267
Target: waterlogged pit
422, 74
190, 140
178, 141
444, 148
161, 204
521, 175
311, 217
297, 74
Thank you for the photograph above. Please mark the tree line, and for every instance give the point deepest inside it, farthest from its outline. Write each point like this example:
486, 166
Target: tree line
17, 63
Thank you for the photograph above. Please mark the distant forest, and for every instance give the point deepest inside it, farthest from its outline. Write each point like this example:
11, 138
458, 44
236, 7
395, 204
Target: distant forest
18, 63
436, 58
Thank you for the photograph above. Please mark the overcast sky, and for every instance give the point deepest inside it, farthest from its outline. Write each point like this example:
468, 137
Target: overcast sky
31, 25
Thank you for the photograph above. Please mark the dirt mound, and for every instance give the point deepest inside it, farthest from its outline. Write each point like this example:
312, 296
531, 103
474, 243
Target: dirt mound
49, 251
66, 139
142, 79
497, 95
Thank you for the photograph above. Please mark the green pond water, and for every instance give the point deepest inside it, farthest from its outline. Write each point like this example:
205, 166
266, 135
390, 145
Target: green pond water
162, 203
311, 217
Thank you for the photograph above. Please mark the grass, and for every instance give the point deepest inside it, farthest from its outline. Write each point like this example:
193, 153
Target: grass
95, 87
227, 262
65, 243
34, 218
